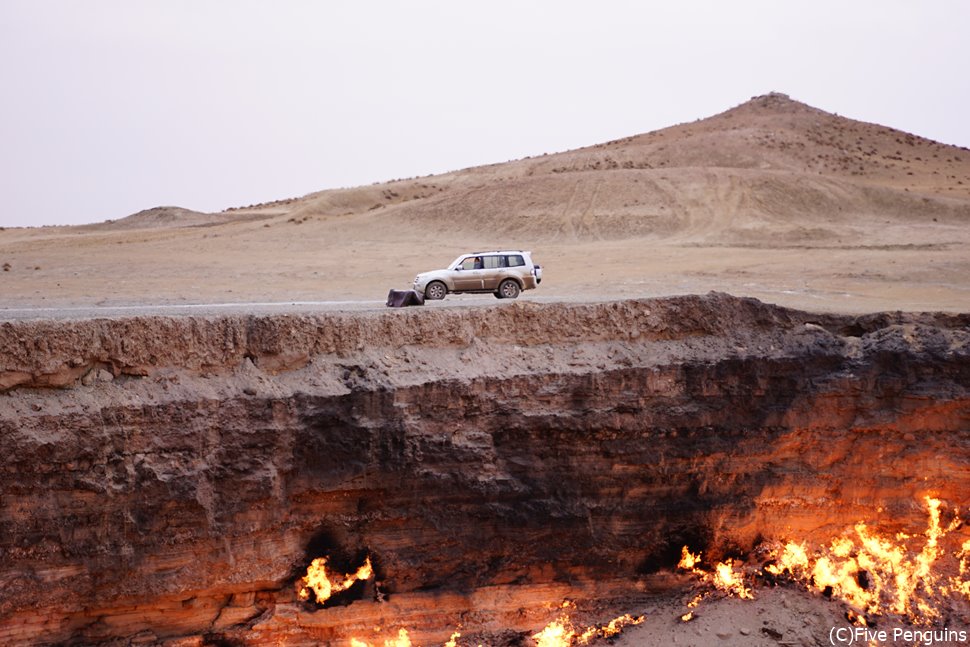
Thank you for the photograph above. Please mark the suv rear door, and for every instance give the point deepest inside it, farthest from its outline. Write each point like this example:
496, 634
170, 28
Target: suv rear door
495, 271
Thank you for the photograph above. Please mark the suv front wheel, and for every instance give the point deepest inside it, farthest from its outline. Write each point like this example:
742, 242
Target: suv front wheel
436, 291
507, 289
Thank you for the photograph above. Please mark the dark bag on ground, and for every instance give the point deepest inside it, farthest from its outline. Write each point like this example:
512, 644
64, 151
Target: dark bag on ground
404, 298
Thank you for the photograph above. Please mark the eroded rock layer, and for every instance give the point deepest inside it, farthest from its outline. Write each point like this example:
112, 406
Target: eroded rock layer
176, 484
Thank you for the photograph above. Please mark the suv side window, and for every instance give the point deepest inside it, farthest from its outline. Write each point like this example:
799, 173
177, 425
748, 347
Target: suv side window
494, 262
515, 261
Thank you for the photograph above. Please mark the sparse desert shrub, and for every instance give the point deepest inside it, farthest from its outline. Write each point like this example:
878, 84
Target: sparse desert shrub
6, 267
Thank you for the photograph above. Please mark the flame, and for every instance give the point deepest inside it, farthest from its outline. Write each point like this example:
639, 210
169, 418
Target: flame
616, 625
402, 640
728, 580
874, 574
688, 560
562, 633
878, 575
558, 633
318, 581
962, 585
725, 578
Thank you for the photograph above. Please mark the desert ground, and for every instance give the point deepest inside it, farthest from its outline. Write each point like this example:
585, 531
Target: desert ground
772, 199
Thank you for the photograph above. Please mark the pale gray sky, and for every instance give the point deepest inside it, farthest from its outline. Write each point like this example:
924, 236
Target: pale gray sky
113, 106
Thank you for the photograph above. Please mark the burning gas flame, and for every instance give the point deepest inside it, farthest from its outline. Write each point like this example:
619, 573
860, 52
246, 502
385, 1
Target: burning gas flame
873, 574
878, 575
729, 580
403, 639
962, 585
688, 560
561, 632
558, 633
318, 581
724, 578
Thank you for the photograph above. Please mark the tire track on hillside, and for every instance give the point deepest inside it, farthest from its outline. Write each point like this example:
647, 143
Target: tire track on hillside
565, 220
584, 225
711, 211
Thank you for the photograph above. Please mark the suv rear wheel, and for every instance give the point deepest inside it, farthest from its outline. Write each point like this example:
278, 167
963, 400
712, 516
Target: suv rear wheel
507, 289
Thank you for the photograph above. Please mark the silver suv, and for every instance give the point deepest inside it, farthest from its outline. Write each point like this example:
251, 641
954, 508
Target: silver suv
503, 273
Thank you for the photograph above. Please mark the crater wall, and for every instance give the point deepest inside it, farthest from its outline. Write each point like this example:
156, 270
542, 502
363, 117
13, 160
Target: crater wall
168, 480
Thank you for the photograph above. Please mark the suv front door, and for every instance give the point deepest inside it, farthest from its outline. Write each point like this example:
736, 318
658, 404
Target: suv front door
468, 274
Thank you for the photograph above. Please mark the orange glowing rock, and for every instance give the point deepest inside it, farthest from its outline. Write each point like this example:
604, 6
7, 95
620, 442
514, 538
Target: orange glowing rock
402, 640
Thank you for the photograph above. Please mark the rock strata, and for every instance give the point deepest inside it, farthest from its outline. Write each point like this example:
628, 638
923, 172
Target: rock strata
168, 480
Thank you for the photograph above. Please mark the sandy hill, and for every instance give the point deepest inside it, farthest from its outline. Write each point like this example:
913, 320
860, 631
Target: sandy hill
771, 198
771, 168
158, 217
